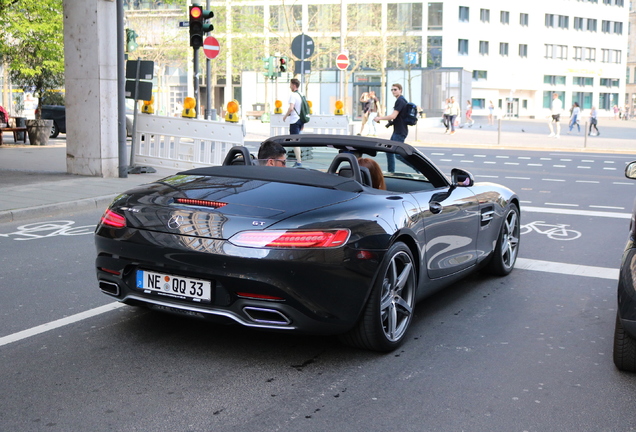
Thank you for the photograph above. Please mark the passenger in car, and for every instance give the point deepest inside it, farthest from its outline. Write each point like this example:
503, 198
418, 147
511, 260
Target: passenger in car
272, 154
377, 178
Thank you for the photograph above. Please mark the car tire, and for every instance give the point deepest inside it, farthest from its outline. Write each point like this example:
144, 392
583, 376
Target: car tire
389, 310
505, 254
55, 131
624, 348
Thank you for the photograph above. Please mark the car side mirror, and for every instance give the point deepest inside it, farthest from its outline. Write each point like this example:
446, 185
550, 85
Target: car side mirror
461, 178
630, 170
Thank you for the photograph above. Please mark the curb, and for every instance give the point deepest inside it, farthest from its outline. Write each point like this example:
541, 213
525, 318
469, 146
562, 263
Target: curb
84, 204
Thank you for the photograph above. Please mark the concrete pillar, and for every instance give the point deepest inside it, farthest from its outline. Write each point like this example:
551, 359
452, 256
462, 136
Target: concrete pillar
90, 60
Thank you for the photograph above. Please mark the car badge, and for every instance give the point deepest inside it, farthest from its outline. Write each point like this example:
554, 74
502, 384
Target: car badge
175, 222
258, 223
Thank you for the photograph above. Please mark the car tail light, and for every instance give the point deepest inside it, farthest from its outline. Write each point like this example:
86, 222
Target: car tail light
291, 239
112, 219
258, 296
200, 203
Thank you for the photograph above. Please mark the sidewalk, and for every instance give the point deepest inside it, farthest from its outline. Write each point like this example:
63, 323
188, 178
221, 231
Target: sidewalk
35, 183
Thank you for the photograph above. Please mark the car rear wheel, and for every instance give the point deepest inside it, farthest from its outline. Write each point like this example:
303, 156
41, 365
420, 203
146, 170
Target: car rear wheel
55, 131
505, 254
624, 348
389, 310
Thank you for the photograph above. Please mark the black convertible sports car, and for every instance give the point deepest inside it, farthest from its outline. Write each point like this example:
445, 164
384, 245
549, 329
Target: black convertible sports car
315, 249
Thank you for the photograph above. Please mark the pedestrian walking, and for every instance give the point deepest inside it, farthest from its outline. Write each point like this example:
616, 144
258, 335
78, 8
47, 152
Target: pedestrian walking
469, 114
574, 117
446, 116
364, 102
556, 107
453, 112
293, 112
491, 110
396, 118
593, 122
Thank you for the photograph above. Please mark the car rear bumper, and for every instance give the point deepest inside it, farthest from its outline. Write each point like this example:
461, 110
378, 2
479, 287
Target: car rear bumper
319, 292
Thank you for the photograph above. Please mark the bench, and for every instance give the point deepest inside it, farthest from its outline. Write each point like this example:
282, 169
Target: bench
15, 131
256, 114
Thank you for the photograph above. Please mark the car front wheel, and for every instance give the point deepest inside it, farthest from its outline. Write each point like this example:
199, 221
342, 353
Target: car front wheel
624, 348
55, 131
389, 309
505, 254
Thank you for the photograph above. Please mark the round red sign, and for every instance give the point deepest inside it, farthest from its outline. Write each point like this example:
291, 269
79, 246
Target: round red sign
211, 47
342, 61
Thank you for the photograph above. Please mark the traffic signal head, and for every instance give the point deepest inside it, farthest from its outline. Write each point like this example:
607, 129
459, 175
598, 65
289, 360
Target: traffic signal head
282, 64
131, 40
196, 26
268, 62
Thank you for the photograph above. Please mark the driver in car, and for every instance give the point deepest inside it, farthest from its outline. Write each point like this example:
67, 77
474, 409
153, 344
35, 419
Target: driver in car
272, 154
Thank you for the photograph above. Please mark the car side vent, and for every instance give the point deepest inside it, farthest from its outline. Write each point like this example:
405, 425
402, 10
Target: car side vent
487, 215
200, 203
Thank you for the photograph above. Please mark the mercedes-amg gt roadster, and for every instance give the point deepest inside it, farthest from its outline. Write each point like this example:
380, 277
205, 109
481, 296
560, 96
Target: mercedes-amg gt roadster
345, 244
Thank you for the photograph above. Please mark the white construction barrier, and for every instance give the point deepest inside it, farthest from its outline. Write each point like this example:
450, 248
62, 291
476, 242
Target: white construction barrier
318, 124
184, 143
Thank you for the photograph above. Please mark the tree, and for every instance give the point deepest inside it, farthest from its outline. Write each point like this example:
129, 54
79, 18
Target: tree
32, 44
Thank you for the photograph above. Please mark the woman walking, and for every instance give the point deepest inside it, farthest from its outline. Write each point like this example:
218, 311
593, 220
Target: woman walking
593, 122
574, 118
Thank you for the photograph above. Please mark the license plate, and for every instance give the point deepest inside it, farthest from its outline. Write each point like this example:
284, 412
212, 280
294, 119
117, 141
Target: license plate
197, 290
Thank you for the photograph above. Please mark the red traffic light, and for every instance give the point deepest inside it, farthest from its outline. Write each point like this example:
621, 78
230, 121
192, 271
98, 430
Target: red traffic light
195, 12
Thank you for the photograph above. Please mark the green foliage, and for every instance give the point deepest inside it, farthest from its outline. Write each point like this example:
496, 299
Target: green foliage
32, 43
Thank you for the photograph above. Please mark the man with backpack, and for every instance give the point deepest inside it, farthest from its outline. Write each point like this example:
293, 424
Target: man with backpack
294, 113
397, 119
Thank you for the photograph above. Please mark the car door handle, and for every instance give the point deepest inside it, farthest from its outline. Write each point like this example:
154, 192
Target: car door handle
435, 207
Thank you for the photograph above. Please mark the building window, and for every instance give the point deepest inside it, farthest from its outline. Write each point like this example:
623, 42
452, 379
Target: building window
618, 28
504, 17
578, 23
609, 82
478, 104
578, 53
464, 14
549, 20
591, 25
590, 54
564, 21
547, 97
324, 17
434, 51
523, 50
480, 75
435, 16
583, 81
607, 100
584, 99
483, 47
484, 15
559, 52
606, 26
503, 49
523, 19
610, 56
462, 47
554, 79
404, 16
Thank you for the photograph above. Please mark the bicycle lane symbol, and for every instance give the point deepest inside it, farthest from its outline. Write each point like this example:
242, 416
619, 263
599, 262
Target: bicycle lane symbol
40, 230
553, 231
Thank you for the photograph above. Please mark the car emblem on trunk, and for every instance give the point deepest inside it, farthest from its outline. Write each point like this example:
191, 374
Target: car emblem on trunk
175, 221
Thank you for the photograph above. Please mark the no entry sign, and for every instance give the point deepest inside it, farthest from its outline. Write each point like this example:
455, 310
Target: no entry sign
211, 47
342, 61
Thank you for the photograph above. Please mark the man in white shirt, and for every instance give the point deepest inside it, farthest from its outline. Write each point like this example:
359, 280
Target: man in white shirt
556, 108
295, 125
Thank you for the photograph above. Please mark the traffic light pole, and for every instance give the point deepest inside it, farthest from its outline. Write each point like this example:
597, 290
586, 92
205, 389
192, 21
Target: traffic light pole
208, 81
195, 63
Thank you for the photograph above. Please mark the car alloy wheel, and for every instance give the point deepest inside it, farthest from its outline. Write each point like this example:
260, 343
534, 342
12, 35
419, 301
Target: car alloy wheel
389, 310
505, 253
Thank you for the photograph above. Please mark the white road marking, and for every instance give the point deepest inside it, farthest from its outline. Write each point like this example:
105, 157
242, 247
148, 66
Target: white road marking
518, 178
562, 204
607, 207
554, 180
576, 212
587, 181
535, 164
59, 323
567, 269
584, 167
622, 183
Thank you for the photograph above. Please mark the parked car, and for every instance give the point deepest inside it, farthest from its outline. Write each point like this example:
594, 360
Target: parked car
625, 327
312, 249
57, 113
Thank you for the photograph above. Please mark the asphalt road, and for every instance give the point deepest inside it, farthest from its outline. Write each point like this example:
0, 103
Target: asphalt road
528, 352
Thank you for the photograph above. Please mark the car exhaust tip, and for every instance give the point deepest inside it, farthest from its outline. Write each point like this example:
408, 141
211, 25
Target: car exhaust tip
266, 316
109, 287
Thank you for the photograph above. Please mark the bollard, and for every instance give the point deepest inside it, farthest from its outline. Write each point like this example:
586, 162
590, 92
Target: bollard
585, 136
498, 131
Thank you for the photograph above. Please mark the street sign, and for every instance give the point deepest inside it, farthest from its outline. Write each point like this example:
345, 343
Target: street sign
146, 69
410, 58
183, 24
211, 47
141, 91
342, 61
303, 46
302, 67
